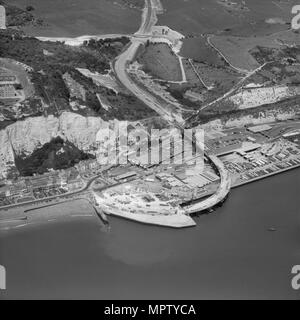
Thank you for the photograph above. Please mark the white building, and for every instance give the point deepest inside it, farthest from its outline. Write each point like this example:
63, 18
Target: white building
2, 18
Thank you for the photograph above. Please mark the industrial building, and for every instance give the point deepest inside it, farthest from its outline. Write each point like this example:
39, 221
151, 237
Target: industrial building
126, 176
261, 128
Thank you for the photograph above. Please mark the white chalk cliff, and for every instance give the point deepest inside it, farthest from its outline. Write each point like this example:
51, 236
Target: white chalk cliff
251, 98
23, 137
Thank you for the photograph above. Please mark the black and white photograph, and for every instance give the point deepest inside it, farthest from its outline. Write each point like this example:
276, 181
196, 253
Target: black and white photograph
150, 151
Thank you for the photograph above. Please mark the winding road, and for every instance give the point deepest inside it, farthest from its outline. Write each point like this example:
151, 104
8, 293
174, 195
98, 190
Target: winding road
122, 62
120, 69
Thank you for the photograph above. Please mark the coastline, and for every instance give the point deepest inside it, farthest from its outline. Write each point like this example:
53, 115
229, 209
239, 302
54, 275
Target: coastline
20, 218
235, 241
266, 176
37, 215
176, 221
77, 41
62, 247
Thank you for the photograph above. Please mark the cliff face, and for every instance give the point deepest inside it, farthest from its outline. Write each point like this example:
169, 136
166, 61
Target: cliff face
24, 137
259, 118
7, 161
252, 98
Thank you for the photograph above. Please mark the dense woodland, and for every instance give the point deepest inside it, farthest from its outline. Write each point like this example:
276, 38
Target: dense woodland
56, 154
50, 61
17, 17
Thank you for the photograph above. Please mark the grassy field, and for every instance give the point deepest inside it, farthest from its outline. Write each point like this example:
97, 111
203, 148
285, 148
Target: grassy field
237, 49
160, 61
218, 77
194, 17
72, 18
199, 50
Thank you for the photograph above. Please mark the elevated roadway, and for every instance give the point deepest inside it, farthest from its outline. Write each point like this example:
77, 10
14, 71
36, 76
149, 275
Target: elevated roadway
120, 69
221, 193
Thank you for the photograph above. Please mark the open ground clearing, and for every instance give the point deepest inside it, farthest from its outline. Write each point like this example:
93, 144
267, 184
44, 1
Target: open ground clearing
237, 49
161, 62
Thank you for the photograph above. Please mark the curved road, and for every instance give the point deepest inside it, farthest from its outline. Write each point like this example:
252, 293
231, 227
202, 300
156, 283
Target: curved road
122, 62
120, 69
